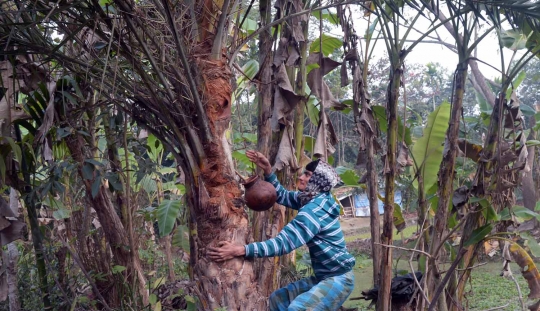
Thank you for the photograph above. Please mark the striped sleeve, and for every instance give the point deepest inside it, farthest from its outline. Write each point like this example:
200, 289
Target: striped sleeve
295, 234
284, 197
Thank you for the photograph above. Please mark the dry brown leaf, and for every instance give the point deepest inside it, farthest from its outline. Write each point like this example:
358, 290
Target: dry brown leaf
470, 150
285, 99
286, 152
326, 137
13, 232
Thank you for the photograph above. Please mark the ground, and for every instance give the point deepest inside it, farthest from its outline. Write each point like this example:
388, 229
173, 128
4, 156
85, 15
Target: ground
486, 290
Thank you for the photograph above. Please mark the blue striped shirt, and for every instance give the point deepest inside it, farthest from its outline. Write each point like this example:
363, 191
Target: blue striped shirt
317, 226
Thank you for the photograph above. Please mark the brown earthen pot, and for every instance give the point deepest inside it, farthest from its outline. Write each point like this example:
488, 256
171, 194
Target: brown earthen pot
260, 195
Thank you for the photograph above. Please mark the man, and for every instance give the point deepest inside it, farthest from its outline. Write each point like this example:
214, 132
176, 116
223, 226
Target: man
317, 226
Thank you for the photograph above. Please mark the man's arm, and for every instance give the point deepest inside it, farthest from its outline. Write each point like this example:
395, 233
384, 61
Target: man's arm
295, 234
284, 197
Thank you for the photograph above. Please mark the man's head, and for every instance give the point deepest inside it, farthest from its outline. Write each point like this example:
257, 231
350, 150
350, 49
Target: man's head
318, 176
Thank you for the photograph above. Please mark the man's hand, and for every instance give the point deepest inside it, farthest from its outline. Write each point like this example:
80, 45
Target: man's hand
225, 251
260, 160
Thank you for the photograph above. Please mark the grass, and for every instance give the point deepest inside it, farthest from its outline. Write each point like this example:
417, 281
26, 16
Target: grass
485, 291
407, 232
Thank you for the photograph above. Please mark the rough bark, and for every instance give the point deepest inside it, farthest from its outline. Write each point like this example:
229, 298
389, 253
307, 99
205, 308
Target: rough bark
214, 197
445, 183
266, 224
482, 181
385, 298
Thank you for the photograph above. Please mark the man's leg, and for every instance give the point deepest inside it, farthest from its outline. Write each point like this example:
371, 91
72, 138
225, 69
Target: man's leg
281, 298
327, 295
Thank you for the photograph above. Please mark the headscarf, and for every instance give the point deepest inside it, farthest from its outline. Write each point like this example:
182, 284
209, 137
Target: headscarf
323, 179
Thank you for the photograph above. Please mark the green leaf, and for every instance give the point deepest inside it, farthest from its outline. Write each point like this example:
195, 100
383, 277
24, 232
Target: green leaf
152, 299
532, 244
527, 110
159, 281
487, 209
15, 148
181, 238
313, 110
94, 162
380, 114
371, 29
312, 66
329, 44
327, 15
158, 306
427, 152
167, 213
478, 235
61, 214
118, 269
515, 84
533, 143
241, 137
250, 69
309, 144
348, 176
521, 212
513, 39
95, 186
240, 156
191, 303
249, 26
399, 221
88, 171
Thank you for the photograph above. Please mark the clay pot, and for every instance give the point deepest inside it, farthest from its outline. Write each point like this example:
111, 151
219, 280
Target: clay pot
260, 195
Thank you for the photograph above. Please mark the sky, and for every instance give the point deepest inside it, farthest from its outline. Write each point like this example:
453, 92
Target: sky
488, 50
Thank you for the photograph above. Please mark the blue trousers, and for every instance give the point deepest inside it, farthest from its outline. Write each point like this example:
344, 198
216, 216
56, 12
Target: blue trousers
311, 295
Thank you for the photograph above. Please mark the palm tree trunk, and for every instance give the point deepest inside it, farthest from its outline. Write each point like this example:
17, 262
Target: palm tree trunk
446, 179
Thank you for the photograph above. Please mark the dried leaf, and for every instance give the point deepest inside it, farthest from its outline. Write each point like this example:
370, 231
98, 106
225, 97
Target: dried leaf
326, 137
286, 152
14, 232
469, 150
5, 210
319, 87
328, 64
285, 99
4, 223
403, 158
344, 76
460, 196
281, 53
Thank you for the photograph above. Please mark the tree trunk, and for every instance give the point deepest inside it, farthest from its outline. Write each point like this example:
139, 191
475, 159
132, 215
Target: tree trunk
384, 301
215, 202
110, 221
445, 187
10, 257
266, 224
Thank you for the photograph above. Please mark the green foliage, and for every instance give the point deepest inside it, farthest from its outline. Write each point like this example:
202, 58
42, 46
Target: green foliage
348, 176
167, 213
427, 152
403, 131
327, 15
329, 44
519, 213
478, 235
181, 238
